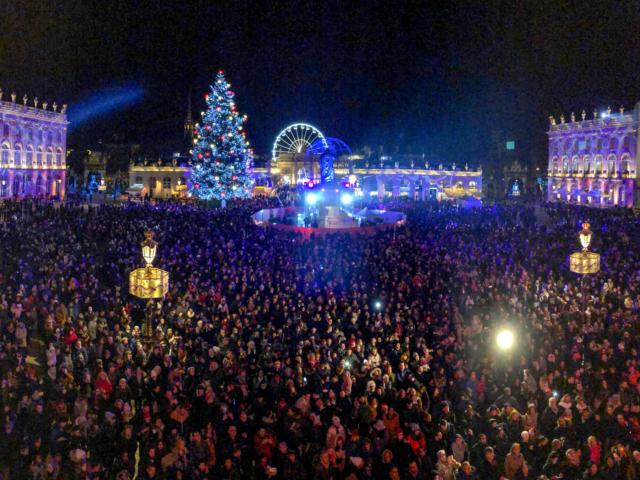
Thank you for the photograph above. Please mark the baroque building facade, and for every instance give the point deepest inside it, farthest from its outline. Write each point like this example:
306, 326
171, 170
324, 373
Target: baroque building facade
33, 145
594, 161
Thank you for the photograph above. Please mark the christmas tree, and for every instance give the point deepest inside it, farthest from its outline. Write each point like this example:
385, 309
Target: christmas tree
221, 154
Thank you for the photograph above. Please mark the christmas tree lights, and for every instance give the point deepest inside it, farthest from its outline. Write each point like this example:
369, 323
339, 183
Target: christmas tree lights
221, 155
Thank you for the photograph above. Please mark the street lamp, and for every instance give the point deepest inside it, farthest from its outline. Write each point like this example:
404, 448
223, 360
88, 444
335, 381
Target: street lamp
149, 282
583, 263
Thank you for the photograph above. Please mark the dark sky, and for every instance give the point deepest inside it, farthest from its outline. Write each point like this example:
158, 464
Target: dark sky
450, 78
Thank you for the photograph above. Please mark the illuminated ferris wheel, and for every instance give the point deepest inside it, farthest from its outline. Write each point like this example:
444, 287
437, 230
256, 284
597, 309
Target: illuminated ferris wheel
296, 139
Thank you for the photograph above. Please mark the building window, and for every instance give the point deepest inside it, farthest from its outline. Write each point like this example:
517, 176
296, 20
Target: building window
49, 158
5, 155
39, 157
5, 130
166, 182
17, 157
138, 179
59, 159
29, 156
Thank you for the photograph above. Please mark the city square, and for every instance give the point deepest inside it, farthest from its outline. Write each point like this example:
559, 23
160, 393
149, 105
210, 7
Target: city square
337, 284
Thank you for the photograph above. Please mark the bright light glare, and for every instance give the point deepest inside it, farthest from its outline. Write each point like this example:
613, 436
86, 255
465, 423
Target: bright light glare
505, 339
378, 305
311, 199
346, 199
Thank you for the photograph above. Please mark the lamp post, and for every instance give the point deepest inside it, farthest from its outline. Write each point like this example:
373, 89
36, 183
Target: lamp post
583, 263
148, 282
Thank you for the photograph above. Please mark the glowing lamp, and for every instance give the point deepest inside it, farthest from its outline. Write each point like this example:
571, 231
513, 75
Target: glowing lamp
377, 305
311, 199
505, 339
353, 179
346, 199
149, 248
585, 236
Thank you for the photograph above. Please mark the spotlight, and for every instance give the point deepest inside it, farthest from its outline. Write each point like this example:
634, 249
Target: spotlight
346, 199
311, 199
377, 305
505, 339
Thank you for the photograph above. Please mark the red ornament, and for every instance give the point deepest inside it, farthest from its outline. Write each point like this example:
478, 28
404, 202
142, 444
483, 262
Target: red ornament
200, 156
206, 96
234, 177
220, 72
208, 127
196, 185
207, 153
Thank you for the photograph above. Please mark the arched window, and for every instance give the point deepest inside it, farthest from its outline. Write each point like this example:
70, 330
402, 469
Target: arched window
5, 130
17, 181
166, 182
4, 187
38, 185
49, 157
5, 154
29, 156
59, 161
17, 156
39, 157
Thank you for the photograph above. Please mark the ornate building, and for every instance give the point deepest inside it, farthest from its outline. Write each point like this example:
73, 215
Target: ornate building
33, 143
159, 179
594, 161
299, 149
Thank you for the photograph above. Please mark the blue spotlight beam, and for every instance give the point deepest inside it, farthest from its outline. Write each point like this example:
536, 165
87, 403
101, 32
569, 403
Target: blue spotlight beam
103, 103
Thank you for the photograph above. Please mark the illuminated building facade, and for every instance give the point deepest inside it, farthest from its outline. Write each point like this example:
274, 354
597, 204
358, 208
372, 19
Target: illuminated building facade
160, 179
299, 150
594, 161
33, 145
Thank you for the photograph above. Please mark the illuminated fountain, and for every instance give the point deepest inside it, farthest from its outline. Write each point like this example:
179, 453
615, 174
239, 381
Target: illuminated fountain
328, 205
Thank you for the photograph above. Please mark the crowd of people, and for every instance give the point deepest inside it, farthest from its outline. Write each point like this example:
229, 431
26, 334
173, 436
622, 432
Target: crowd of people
338, 357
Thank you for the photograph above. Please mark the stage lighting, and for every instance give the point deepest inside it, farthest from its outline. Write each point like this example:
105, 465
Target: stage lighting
311, 199
346, 199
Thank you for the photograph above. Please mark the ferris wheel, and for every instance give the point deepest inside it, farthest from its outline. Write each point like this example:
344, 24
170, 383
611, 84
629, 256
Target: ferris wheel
296, 139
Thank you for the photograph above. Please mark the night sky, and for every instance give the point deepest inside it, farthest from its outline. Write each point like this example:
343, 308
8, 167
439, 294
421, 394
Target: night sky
452, 79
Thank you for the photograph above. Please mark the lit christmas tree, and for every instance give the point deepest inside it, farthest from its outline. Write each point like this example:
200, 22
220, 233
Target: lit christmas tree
221, 154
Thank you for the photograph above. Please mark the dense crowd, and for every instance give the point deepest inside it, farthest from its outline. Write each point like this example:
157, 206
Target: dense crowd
342, 357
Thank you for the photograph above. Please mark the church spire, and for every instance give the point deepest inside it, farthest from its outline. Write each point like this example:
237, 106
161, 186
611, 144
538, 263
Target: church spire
188, 121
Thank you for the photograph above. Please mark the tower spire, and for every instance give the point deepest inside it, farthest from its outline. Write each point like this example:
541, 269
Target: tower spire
188, 121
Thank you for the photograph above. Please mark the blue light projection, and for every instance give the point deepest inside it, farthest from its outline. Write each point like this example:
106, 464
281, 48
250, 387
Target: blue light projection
103, 102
